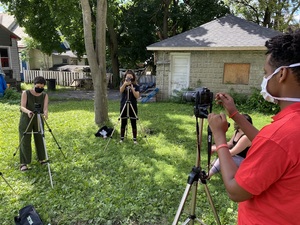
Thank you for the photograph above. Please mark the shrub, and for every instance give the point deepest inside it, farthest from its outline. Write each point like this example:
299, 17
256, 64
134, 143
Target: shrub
11, 95
257, 103
247, 103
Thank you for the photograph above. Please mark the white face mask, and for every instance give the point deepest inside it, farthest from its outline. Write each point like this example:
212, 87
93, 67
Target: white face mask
267, 96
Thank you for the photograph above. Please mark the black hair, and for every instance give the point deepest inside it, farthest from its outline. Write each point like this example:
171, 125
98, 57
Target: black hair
285, 50
39, 80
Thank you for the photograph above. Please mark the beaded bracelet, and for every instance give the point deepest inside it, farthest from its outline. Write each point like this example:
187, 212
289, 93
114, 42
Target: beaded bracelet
233, 114
221, 146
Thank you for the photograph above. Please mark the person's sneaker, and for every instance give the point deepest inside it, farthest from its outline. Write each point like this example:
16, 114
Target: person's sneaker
134, 141
121, 141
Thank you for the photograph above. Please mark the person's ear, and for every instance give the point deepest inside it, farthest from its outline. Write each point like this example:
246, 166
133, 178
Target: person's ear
283, 74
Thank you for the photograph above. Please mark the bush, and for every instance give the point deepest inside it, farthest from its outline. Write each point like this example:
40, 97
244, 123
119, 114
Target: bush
247, 103
11, 95
257, 103
253, 102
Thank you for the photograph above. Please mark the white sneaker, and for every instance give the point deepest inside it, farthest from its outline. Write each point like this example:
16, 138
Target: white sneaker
134, 142
121, 141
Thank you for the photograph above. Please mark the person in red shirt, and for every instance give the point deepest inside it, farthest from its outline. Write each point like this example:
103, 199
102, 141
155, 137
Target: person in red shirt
266, 184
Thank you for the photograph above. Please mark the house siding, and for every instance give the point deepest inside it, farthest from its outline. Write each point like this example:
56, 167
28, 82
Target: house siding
5, 38
207, 69
15, 66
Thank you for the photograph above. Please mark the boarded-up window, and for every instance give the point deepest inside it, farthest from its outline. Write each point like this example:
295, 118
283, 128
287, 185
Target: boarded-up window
236, 73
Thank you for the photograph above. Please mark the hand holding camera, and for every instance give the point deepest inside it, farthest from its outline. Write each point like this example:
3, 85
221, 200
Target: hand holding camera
128, 81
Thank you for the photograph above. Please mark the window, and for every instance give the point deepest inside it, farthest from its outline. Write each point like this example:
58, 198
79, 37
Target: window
236, 73
4, 57
65, 61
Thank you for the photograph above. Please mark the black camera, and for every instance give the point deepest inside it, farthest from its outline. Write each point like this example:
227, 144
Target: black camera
203, 99
37, 107
128, 79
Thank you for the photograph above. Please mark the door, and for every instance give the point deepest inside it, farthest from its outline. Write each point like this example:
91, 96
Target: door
180, 72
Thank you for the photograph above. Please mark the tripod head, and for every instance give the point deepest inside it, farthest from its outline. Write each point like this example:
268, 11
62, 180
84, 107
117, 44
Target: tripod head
37, 108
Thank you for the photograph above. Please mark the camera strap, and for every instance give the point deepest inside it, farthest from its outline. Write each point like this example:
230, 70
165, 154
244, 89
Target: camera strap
209, 144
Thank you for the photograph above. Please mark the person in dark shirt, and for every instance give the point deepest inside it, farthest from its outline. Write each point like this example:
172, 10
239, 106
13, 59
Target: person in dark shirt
130, 92
29, 99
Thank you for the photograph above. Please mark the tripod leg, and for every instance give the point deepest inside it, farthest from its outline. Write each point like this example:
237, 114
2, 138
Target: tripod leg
192, 216
114, 128
40, 125
212, 204
190, 220
54, 137
192, 183
7, 183
137, 119
25, 132
110, 137
124, 121
193, 202
181, 205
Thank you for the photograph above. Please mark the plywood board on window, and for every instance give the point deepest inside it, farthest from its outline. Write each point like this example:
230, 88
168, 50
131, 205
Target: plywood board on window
236, 73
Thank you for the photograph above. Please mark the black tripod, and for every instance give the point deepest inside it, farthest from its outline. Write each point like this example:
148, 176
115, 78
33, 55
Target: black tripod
127, 106
197, 175
40, 121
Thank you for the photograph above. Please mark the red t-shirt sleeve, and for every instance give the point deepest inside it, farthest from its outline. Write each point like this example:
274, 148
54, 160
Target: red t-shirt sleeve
265, 163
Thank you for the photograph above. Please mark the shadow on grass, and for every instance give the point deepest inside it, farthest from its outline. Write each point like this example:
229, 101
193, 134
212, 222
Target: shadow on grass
123, 184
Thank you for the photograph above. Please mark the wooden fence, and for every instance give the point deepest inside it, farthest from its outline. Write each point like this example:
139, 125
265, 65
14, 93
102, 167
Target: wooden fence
63, 78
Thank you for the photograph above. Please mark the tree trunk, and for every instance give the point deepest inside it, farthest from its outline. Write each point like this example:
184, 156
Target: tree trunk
113, 49
165, 18
96, 56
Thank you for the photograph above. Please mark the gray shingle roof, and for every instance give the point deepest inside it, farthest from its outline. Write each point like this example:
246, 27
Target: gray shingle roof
226, 32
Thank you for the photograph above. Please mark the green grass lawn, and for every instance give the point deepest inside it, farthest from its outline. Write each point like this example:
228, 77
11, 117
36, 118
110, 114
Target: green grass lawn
121, 184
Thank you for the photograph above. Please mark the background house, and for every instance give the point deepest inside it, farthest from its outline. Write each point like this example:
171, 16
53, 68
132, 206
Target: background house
226, 53
37, 60
9, 57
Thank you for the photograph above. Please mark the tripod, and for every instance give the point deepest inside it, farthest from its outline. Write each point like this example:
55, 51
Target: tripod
40, 121
197, 174
127, 106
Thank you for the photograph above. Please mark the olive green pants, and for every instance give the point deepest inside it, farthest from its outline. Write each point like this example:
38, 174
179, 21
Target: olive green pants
25, 139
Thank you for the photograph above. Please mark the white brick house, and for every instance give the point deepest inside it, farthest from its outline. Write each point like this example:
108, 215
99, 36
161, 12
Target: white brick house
224, 54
